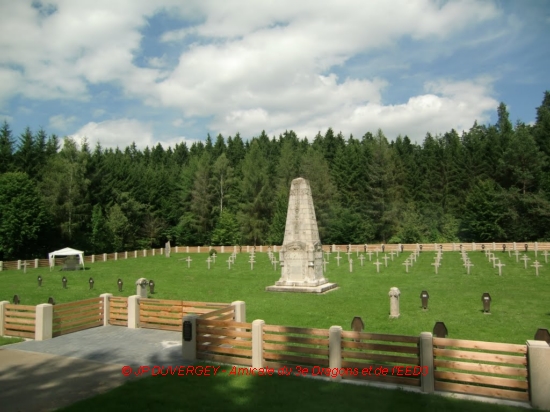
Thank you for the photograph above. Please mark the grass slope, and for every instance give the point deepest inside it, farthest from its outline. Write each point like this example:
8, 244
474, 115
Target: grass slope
519, 298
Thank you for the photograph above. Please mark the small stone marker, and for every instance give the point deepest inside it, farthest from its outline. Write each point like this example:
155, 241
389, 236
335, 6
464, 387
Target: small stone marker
39, 280
16, 300
516, 252
350, 265
141, 287
208, 261
486, 299
188, 260
391, 254
349, 254
251, 261
91, 282
24, 264
51, 300
325, 263
440, 330
357, 325
545, 254
543, 334
361, 258
424, 296
229, 261
64, 282
214, 257
120, 283
167, 249
500, 265
536, 265
493, 258
328, 256
406, 263
394, 302
468, 265
370, 254
275, 264
525, 259
338, 259
152, 287
386, 257
377, 263
436, 265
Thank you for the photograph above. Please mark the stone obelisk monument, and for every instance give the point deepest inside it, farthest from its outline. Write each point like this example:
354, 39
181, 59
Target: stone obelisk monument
301, 255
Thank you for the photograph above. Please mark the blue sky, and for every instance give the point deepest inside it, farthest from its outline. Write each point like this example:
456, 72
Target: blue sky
170, 71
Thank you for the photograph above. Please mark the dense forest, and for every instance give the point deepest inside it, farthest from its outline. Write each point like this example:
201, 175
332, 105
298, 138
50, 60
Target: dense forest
492, 183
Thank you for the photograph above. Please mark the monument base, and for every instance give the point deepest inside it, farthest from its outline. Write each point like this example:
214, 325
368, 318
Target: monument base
326, 287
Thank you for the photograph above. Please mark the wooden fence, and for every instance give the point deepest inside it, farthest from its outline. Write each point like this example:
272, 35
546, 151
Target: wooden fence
224, 341
77, 316
19, 320
168, 314
118, 311
481, 368
371, 350
295, 346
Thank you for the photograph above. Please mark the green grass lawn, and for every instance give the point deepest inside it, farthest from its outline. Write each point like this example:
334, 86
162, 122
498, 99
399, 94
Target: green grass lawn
267, 393
4, 340
520, 300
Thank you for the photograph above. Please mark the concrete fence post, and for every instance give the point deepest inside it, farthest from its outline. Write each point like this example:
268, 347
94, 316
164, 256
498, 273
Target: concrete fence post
198, 249
133, 312
258, 343
93, 258
153, 252
144, 253
126, 255
240, 310
105, 257
427, 379
18, 265
43, 325
538, 356
1, 266
3, 316
223, 249
36, 263
189, 341
186, 249
106, 307
135, 253
335, 348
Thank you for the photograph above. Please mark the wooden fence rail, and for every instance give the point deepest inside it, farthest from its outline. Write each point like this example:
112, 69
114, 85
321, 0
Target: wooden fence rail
365, 350
20, 321
118, 311
77, 316
481, 368
168, 314
224, 341
295, 346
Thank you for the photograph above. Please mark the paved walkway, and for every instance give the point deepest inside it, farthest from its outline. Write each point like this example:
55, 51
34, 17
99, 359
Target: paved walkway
44, 376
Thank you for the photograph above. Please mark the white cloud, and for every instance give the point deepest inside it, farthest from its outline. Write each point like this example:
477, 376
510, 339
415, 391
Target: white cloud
120, 132
60, 122
258, 65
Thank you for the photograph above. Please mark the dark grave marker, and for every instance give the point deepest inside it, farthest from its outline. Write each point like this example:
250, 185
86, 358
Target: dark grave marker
51, 300
152, 286
440, 330
383, 248
39, 280
120, 283
543, 334
503, 248
64, 282
365, 248
424, 296
486, 299
526, 247
91, 281
357, 325
440, 247
421, 248
402, 248
482, 248
16, 300
461, 247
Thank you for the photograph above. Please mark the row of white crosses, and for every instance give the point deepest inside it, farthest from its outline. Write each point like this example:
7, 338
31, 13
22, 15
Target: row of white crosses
492, 257
411, 260
438, 257
466, 261
231, 259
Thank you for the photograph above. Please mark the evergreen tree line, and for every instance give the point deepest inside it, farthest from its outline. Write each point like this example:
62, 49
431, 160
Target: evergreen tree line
492, 183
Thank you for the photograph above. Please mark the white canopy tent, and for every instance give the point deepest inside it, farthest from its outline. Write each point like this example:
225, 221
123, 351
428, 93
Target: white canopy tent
66, 252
